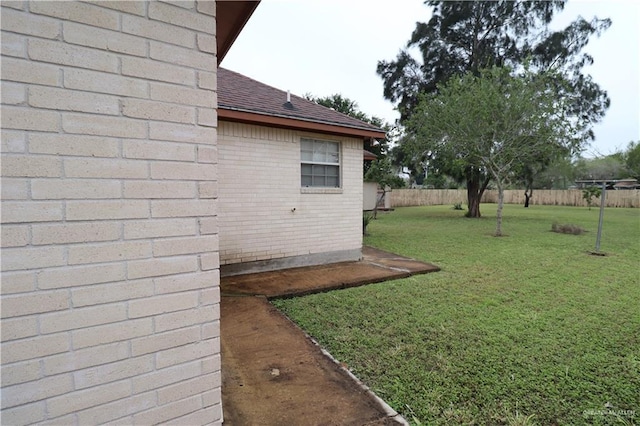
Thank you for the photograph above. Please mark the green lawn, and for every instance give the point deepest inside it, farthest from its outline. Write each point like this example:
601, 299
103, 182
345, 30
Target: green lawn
523, 329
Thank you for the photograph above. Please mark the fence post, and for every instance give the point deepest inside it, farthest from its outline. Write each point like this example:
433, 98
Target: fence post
602, 202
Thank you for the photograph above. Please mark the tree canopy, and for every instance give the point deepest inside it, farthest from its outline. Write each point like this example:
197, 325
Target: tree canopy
464, 36
341, 104
347, 106
607, 167
380, 170
632, 159
495, 123
467, 37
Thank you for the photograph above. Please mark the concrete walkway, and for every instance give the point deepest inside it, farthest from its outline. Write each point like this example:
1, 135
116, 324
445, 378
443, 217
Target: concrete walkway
272, 373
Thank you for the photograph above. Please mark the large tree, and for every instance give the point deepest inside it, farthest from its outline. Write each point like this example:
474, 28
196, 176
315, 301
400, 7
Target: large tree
495, 123
468, 36
632, 159
560, 173
339, 103
347, 106
534, 169
381, 170
604, 167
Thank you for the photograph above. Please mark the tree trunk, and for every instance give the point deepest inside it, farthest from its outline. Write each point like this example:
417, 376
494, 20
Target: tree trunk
475, 189
499, 212
527, 196
473, 199
375, 208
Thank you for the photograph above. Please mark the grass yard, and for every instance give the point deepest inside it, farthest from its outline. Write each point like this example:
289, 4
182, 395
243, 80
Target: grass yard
519, 330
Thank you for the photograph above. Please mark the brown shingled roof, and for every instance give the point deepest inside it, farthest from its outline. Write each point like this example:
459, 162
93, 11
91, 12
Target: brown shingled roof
369, 156
240, 94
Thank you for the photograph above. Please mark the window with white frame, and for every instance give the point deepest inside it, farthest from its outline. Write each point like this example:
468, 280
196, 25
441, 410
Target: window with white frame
320, 163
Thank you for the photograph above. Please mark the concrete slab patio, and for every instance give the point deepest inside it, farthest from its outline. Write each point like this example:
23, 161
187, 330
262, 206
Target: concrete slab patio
375, 266
272, 372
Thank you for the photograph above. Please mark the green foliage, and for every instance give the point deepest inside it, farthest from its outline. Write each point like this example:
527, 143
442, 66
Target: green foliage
589, 193
451, 184
632, 159
400, 157
509, 329
383, 172
457, 206
560, 173
607, 167
518, 419
349, 107
341, 104
396, 182
495, 123
466, 37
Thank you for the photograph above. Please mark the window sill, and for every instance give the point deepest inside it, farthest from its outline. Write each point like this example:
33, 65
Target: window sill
316, 190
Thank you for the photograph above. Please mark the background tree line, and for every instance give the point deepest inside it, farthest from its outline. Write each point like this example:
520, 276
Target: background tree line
494, 97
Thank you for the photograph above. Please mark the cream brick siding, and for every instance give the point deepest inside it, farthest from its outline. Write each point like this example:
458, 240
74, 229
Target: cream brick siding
110, 265
260, 185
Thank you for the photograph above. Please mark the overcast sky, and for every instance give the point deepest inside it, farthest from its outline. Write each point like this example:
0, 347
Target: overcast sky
333, 46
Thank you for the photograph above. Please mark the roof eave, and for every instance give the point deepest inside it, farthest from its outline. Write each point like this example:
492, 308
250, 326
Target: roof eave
296, 123
369, 156
231, 18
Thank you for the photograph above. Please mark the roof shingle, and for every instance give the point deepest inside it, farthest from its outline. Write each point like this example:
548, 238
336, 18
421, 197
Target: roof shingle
240, 93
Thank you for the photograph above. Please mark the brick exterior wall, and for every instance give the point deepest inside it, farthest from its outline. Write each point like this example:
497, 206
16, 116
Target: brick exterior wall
110, 267
259, 185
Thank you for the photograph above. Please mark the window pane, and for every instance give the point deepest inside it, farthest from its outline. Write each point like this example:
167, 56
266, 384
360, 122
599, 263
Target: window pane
306, 175
320, 152
317, 170
333, 152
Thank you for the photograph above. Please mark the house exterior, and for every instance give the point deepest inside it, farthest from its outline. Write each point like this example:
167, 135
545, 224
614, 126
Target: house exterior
134, 172
290, 189
110, 247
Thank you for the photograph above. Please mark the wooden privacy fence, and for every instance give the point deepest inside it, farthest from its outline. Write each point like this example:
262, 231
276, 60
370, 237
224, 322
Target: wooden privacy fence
553, 197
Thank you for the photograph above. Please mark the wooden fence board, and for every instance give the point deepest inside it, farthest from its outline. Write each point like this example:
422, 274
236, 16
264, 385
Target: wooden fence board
557, 197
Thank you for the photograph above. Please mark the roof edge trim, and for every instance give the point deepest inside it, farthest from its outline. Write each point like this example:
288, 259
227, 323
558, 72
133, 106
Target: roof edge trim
361, 131
251, 117
239, 14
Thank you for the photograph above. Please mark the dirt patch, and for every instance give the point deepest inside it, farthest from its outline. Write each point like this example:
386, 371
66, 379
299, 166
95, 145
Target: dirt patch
273, 375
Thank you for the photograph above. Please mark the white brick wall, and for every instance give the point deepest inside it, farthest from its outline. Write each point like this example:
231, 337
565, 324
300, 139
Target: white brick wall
110, 286
259, 185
